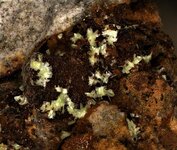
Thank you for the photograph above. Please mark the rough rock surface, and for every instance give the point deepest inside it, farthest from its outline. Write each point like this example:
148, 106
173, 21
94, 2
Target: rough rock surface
129, 93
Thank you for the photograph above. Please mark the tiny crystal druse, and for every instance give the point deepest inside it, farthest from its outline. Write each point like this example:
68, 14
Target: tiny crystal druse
111, 37
22, 100
44, 74
59, 104
99, 78
44, 70
63, 98
133, 129
136, 60
102, 78
99, 92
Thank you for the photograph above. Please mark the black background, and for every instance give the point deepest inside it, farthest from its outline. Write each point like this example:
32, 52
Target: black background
168, 13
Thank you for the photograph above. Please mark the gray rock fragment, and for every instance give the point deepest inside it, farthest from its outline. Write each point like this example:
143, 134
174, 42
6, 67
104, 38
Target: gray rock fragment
105, 119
